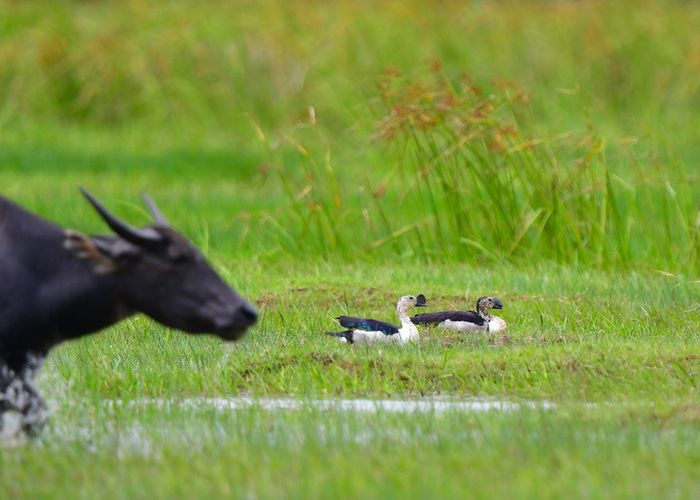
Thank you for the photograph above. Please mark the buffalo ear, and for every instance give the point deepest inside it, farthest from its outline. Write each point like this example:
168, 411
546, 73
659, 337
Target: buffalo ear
104, 254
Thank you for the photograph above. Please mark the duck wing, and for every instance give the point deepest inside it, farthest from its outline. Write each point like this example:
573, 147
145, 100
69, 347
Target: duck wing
368, 325
434, 318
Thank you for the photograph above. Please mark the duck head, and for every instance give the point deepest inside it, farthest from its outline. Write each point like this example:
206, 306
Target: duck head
485, 304
408, 301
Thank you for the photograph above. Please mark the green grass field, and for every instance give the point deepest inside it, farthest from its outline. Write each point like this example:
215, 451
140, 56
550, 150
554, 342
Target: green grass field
331, 158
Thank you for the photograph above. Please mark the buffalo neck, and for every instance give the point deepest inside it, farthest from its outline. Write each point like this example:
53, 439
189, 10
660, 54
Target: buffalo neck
48, 294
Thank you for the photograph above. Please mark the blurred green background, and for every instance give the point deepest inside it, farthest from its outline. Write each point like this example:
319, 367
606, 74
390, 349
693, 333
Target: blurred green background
449, 131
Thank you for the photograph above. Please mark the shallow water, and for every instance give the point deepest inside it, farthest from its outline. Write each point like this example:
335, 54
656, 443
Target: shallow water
133, 434
429, 405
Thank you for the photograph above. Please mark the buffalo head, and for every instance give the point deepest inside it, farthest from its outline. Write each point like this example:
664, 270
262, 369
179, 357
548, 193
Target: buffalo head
157, 271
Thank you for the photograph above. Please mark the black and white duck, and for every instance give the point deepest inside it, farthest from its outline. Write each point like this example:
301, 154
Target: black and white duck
480, 320
370, 331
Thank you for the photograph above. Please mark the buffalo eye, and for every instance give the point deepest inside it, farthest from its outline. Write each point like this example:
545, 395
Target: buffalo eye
177, 255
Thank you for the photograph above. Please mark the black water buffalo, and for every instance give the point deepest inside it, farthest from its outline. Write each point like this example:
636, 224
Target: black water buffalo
58, 284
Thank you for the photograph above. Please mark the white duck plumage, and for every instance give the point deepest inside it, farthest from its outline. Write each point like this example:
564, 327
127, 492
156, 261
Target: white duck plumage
370, 331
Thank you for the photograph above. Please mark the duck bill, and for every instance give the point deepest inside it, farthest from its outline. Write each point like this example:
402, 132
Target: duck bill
497, 304
420, 301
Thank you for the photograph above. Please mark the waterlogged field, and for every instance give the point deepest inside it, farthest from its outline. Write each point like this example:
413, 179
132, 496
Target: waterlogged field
329, 159
150, 452
593, 392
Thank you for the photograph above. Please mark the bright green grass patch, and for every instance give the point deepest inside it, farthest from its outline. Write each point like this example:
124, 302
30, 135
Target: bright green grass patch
571, 336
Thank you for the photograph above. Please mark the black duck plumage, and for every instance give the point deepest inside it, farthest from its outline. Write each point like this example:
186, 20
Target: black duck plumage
439, 317
368, 325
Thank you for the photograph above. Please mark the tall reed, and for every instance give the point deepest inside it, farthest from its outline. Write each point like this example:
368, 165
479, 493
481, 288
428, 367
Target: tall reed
470, 179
